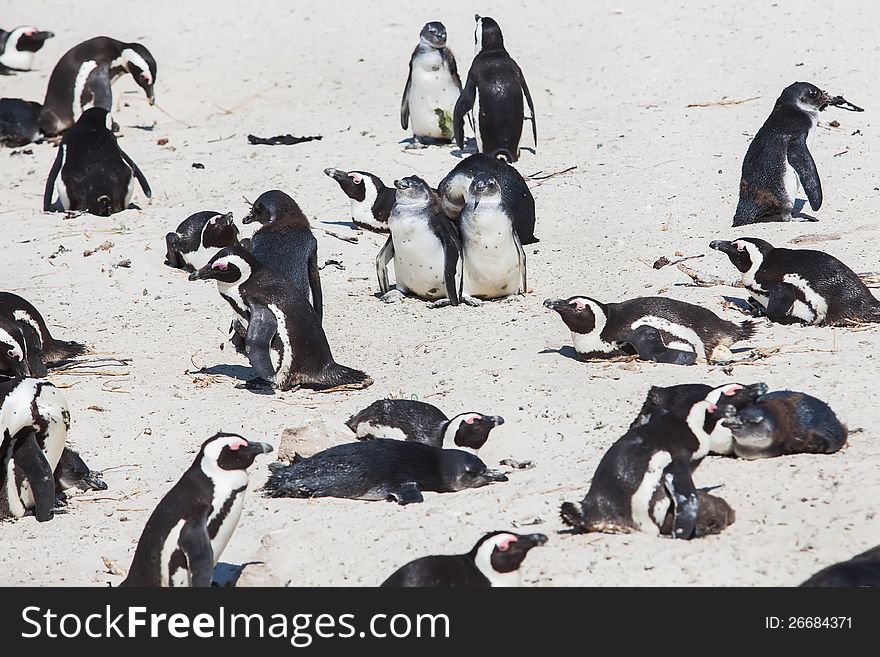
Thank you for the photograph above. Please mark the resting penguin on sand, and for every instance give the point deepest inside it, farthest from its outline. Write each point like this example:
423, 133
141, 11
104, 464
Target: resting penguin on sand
18, 47
862, 570
17, 309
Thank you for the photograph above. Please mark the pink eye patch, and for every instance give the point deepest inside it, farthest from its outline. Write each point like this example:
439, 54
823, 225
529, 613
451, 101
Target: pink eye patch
579, 304
731, 390
219, 265
241, 442
356, 177
470, 419
15, 352
739, 247
505, 543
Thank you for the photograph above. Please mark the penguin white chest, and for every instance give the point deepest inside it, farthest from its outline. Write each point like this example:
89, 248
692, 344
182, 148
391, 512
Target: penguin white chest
418, 257
491, 259
432, 96
226, 514
200, 257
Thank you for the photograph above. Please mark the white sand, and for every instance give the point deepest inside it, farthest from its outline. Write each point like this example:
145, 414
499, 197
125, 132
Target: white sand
611, 90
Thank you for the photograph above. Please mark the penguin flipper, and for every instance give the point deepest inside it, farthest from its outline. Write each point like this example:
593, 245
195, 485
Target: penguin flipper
648, 343
137, 174
261, 330
315, 285
780, 303
31, 460
404, 101
406, 493
521, 257
196, 545
386, 254
463, 105
451, 270
528, 95
53, 176
99, 83
800, 159
678, 483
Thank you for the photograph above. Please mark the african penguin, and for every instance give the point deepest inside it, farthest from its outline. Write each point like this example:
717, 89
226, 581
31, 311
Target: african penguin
34, 421
432, 88
20, 352
381, 469
18, 309
800, 285
424, 245
278, 320
19, 122
862, 570
91, 173
643, 483
198, 238
782, 422
494, 561
779, 157
83, 76
516, 199
371, 200
18, 47
494, 90
285, 244
72, 472
191, 526
656, 328
408, 419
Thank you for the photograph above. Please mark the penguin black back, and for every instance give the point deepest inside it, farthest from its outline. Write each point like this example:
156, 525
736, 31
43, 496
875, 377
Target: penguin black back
19, 122
18, 46
862, 570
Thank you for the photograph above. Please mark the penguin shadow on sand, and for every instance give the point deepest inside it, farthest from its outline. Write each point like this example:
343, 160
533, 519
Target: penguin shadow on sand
566, 350
241, 373
470, 147
226, 575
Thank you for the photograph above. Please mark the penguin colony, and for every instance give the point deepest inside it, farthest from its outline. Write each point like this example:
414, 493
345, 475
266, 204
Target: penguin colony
461, 242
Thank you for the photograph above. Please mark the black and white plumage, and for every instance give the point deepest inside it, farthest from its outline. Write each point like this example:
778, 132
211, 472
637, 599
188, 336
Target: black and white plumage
381, 469
198, 238
17, 309
800, 285
19, 122
72, 472
424, 246
278, 321
779, 157
862, 570
34, 421
18, 47
409, 419
494, 91
493, 562
83, 76
432, 88
285, 244
20, 353
656, 328
191, 526
371, 200
91, 172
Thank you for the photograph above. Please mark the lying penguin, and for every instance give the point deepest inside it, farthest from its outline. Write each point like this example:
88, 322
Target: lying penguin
18, 47
494, 561
782, 422
779, 157
643, 483
19, 122
417, 421
380, 470
191, 526
72, 472
862, 570
371, 200
18, 309
198, 238
656, 328
800, 285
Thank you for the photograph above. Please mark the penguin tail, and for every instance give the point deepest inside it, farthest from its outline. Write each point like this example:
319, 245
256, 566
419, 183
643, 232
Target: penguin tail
572, 516
105, 206
745, 330
62, 350
503, 154
336, 377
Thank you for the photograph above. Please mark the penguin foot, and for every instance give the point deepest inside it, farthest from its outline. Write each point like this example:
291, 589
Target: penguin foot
259, 385
472, 301
440, 303
392, 296
61, 500
416, 145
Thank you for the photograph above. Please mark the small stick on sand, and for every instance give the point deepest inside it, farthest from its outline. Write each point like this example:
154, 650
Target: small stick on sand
537, 175
707, 281
724, 103
344, 238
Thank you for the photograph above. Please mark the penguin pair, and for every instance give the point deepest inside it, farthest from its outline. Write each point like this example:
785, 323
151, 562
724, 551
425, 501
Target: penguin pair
91, 173
800, 285
198, 238
493, 562
779, 157
191, 526
18, 47
654, 328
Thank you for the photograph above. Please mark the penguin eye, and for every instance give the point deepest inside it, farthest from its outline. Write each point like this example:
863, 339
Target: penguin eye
740, 247
355, 177
219, 265
11, 353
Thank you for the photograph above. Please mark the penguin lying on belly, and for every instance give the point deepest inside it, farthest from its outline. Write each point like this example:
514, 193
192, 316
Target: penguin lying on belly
18, 47
800, 285
18, 309
198, 238
19, 122
655, 328
371, 200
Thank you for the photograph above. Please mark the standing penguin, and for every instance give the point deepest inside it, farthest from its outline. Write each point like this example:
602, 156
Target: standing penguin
494, 89
779, 157
424, 245
34, 421
17, 309
83, 76
191, 526
371, 200
800, 285
91, 173
279, 322
18, 47
493, 561
432, 88
198, 238
285, 244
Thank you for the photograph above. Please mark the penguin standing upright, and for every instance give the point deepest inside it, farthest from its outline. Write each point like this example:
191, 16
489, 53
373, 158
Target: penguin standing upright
371, 200
191, 526
17, 309
432, 88
198, 238
494, 89
285, 244
83, 76
91, 173
779, 157
18, 47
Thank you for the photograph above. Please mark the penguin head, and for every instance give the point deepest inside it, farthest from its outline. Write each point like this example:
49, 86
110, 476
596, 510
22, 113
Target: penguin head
434, 34
487, 35
806, 96
501, 552
95, 118
139, 62
229, 451
354, 183
704, 415
578, 313
21, 44
13, 351
752, 427
714, 515
230, 265
220, 231
484, 187
72, 472
412, 190
460, 470
745, 253
274, 206
470, 430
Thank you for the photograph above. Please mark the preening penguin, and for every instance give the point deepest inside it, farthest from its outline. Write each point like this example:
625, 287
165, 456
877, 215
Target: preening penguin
198, 238
371, 200
91, 172
16, 309
191, 526
494, 561
82, 78
779, 157
800, 285
18, 47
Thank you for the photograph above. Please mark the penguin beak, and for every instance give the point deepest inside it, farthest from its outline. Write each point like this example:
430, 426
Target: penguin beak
93, 482
555, 304
528, 541
337, 174
256, 448
723, 246
493, 420
201, 274
41, 36
495, 475
248, 218
151, 95
226, 219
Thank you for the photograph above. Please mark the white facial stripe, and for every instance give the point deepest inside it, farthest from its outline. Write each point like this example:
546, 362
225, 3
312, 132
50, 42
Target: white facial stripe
130, 56
483, 560
11, 345
362, 211
640, 501
585, 343
79, 84
22, 316
478, 37
748, 277
696, 419
817, 308
681, 332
